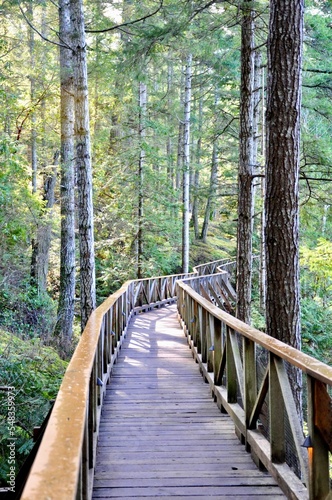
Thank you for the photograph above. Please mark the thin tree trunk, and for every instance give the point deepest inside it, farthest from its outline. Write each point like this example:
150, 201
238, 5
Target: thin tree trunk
186, 167
179, 158
83, 165
65, 316
210, 203
245, 178
42, 242
262, 261
256, 115
282, 176
169, 152
257, 125
141, 135
33, 141
324, 221
33, 147
197, 169
180, 151
211, 200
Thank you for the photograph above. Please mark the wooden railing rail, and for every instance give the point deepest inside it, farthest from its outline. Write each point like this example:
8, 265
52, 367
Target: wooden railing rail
214, 267
64, 465
231, 370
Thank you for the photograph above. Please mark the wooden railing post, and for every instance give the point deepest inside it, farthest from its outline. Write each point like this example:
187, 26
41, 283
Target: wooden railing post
318, 454
277, 411
230, 368
202, 314
216, 325
84, 487
250, 378
99, 368
209, 344
193, 321
197, 328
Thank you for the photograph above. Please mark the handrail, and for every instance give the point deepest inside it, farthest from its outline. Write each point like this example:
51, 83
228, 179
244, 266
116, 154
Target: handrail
65, 461
213, 335
213, 267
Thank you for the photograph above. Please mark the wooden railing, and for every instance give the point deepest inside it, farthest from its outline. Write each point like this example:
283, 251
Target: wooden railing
64, 466
262, 407
215, 267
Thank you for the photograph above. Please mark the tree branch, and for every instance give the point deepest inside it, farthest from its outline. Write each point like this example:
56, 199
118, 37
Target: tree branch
197, 11
306, 178
129, 23
38, 32
19, 127
323, 71
318, 86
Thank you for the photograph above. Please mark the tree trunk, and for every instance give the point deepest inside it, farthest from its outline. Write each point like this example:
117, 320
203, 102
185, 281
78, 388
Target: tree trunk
65, 316
245, 178
141, 136
180, 148
211, 200
42, 243
282, 176
262, 261
186, 168
179, 157
169, 145
33, 143
83, 165
197, 168
33, 149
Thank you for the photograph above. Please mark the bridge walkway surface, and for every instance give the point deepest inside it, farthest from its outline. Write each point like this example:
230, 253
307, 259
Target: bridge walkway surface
161, 434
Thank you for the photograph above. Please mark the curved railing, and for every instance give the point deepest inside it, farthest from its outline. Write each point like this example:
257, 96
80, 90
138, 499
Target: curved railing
262, 405
65, 461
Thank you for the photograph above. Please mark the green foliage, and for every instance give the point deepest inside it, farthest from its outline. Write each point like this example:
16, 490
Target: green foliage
316, 320
317, 109
317, 270
35, 373
22, 309
316, 303
26, 312
17, 205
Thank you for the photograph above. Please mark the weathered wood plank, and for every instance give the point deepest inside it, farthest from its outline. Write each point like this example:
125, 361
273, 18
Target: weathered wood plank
161, 434
261, 492
184, 482
200, 497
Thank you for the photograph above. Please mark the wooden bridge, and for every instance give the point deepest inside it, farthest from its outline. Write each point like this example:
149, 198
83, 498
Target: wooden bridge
136, 417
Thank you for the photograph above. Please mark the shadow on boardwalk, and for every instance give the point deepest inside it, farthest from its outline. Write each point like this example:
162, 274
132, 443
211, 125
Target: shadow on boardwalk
161, 434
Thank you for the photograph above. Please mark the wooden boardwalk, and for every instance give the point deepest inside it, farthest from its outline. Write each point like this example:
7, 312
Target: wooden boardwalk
161, 434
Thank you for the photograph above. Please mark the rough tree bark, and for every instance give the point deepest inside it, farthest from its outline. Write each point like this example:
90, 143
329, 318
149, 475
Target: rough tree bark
64, 325
83, 164
245, 177
282, 175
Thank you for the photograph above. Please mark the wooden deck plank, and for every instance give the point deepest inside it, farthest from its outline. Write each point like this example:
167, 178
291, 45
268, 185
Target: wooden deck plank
161, 435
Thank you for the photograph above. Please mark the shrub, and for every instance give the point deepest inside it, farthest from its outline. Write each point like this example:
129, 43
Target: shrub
35, 372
